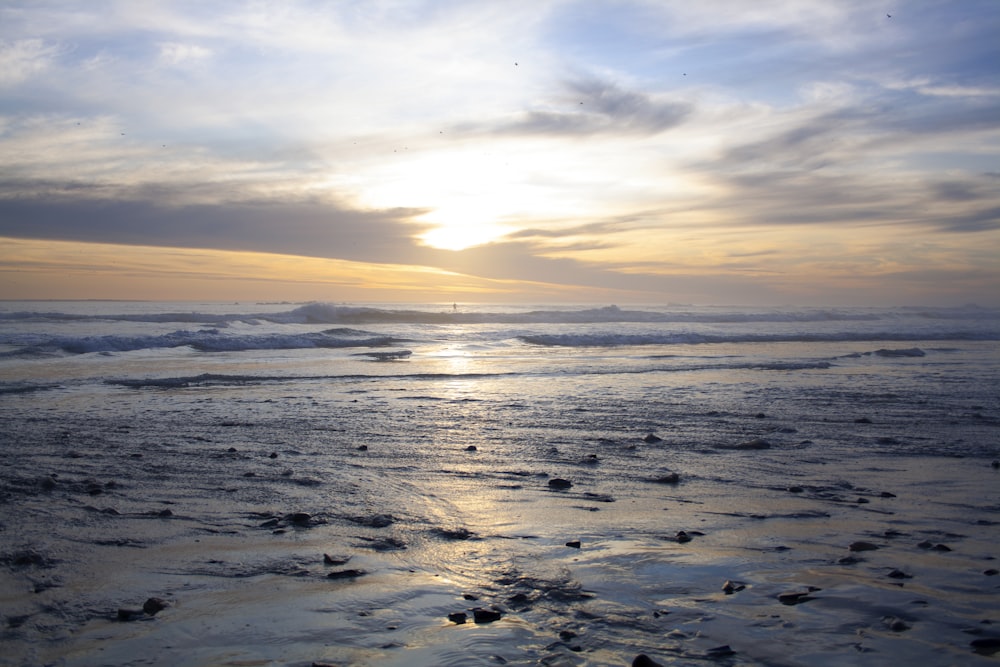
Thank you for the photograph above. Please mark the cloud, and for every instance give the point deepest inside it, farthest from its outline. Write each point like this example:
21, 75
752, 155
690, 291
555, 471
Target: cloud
305, 229
23, 59
174, 53
590, 106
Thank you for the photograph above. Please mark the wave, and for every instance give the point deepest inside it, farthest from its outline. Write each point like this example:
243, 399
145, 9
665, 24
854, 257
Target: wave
620, 340
210, 340
326, 313
215, 379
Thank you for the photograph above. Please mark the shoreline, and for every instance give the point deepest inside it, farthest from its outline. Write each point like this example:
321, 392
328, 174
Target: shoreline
246, 582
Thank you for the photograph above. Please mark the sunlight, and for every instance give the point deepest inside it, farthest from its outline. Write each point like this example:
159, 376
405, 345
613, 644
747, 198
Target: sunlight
459, 226
471, 197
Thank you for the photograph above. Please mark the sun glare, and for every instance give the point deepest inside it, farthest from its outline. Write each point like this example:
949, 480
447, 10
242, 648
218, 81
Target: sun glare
460, 227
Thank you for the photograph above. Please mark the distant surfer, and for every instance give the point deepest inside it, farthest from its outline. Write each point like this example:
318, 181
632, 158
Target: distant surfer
454, 307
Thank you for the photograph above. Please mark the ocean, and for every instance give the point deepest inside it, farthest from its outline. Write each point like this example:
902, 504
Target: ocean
593, 475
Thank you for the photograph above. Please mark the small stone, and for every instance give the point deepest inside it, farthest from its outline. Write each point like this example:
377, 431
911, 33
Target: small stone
559, 483
481, 615
652, 439
575, 544
458, 617
940, 547
472, 448
273, 455
795, 489
643, 660
231, 450
886, 494
756, 443
682, 537
669, 478
793, 598
760, 415
863, 420
731, 587
991, 572
720, 652
862, 546
299, 518
153, 606
895, 624
899, 574
338, 560
362, 448
986, 645
346, 574
995, 464
127, 614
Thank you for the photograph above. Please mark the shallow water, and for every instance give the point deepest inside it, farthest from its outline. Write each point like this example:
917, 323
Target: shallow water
891, 448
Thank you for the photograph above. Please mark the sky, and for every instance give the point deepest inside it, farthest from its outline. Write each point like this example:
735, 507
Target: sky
806, 152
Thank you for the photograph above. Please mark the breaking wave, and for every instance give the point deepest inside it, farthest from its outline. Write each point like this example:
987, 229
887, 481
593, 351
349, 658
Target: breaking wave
326, 313
210, 340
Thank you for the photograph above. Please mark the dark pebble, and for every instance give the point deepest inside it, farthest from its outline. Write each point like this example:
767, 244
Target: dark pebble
669, 478
794, 598
153, 606
995, 464
899, 574
863, 420
886, 494
652, 439
643, 660
339, 560
560, 483
991, 572
480, 615
273, 455
458, 617
682, 537
575, 544
125, 614
940, 547
720, 652
795, 489
756, 443
346, 574
895, 624
472, 448
986, 645
862, 546
362, 448
731, 587
299, 518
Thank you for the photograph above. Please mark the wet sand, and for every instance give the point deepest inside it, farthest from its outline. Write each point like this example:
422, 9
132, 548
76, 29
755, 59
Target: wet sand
749, 549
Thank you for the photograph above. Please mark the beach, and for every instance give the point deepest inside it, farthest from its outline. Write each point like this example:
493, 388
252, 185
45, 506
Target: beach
581, 487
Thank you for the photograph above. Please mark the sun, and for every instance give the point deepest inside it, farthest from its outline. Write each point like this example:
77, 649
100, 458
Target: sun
458, 227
